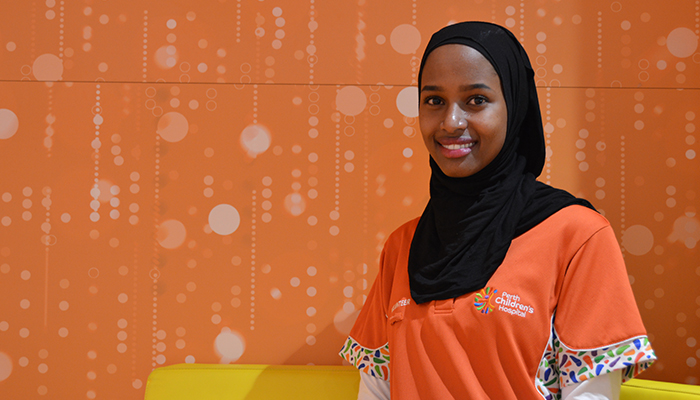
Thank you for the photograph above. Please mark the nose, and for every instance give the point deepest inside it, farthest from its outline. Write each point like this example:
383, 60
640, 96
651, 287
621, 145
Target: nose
455, 119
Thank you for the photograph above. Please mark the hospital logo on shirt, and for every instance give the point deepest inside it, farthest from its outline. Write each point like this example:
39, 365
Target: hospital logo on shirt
483, 301
488, 300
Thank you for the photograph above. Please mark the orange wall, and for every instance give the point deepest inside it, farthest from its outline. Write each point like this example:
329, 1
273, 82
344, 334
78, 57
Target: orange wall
292, 123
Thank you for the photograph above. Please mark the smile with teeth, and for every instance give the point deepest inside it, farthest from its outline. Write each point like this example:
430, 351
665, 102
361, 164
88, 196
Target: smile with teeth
458, 146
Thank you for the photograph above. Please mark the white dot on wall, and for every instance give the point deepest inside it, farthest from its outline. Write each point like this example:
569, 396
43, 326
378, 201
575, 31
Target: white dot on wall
348, 291
682, 42
549, 127
295, 282
229, 345
5, 366
255, 139
224, 219
405, 39
351, 100
637, 240
348, 307
407, 101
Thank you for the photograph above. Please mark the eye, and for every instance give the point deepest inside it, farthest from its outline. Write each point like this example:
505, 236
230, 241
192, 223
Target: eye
478, 100
433, 101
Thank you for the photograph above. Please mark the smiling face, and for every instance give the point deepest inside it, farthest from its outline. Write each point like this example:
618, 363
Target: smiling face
463, 114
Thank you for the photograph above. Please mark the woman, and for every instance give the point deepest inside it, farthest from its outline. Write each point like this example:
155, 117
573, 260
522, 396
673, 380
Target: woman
504, 288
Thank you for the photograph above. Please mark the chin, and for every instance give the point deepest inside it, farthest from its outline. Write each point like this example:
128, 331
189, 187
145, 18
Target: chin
458, 174
455, 170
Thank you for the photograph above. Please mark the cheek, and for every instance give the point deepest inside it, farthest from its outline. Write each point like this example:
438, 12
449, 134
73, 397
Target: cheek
499, 129
425, 130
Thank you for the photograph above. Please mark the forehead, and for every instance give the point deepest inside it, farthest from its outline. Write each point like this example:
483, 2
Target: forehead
457, 60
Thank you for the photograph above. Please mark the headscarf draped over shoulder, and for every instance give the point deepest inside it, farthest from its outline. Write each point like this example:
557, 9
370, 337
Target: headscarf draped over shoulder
467, 227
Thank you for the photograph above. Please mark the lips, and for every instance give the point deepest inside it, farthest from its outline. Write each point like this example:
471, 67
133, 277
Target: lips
455, 147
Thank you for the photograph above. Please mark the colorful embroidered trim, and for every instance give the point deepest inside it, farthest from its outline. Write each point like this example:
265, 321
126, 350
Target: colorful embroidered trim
374, 362
547, 379
634, 355
561, 366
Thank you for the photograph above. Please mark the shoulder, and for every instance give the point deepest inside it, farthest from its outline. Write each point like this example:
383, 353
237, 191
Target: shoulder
403, 234
397, 248
576, 220
566, 231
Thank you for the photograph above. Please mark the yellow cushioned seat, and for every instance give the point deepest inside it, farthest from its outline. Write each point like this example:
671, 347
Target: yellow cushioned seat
252, 382
303, 382
642, 389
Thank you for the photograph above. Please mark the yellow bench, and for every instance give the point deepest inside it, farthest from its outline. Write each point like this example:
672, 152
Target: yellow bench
258, 382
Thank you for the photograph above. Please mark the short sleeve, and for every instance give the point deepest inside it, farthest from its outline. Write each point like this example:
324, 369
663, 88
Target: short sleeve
597, 326
367, 345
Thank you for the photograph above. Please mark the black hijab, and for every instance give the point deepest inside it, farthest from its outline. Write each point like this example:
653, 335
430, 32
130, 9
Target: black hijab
467, 227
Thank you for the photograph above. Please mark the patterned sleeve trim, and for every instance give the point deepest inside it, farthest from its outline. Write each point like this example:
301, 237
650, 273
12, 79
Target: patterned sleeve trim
547, 379
374, 362
631, 356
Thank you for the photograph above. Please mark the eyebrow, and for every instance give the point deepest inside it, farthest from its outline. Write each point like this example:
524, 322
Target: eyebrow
462, 88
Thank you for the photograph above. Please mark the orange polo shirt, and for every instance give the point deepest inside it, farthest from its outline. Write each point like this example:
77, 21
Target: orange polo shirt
559, 310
